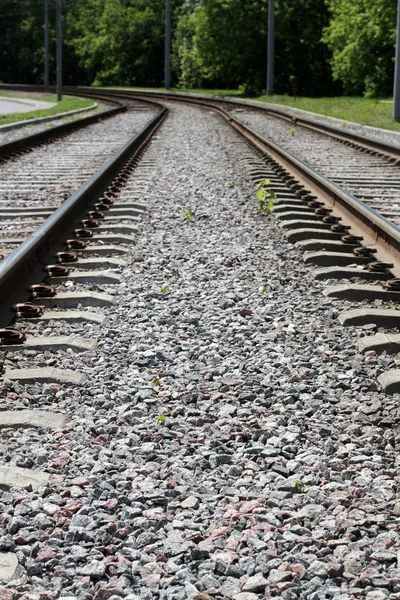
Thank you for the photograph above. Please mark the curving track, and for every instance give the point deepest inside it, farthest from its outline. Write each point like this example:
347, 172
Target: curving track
187, 419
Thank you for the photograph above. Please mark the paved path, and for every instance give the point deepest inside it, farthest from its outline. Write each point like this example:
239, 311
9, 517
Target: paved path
16, 105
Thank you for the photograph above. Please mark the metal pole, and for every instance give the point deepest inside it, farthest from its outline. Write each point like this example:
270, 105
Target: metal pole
59, 52
271, 45
396, 86
167, 54
46, 43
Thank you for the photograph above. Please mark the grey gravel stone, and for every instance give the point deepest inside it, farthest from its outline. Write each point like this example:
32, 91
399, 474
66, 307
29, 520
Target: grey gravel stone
256, 583
218, 440
8, 566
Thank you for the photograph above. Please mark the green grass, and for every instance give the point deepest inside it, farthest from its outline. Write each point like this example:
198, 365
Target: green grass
365, 111
67, 104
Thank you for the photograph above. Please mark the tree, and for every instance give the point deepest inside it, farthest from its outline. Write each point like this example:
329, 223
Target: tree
185, 60
121, 43
361, 35
107, 42
229, 41
225, 42
21, 41
302, 60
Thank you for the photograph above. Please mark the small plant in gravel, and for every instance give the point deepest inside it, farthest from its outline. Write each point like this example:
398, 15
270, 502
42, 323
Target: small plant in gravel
156, 382
293, 131
164, 289
188, 214
235, 182
266, 197
161, 419
264, 290
298, 486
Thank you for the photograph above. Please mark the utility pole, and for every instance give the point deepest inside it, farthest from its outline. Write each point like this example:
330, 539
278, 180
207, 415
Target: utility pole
59, 52
271, 45
46, 42
167, 53
396, 86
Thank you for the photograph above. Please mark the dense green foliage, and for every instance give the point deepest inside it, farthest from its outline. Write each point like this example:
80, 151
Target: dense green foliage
322, 46
21, 41
120, 43
361, 36
229, 41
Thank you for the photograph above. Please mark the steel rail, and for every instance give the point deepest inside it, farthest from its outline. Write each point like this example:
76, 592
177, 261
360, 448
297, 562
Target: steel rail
371, 144
26, 265
106, 97
379, 230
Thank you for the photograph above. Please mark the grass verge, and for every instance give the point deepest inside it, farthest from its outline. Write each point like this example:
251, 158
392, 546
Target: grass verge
366, 111
67, 104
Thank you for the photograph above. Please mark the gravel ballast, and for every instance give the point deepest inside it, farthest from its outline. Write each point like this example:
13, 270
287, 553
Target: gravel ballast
50, 173
229, 443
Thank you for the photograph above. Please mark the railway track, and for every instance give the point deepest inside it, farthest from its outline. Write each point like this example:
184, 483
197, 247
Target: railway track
347, 217
133, 462
33, 187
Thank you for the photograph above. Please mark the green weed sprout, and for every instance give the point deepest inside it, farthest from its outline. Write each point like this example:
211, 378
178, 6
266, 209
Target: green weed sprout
188, 214
298, 486
266, 197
